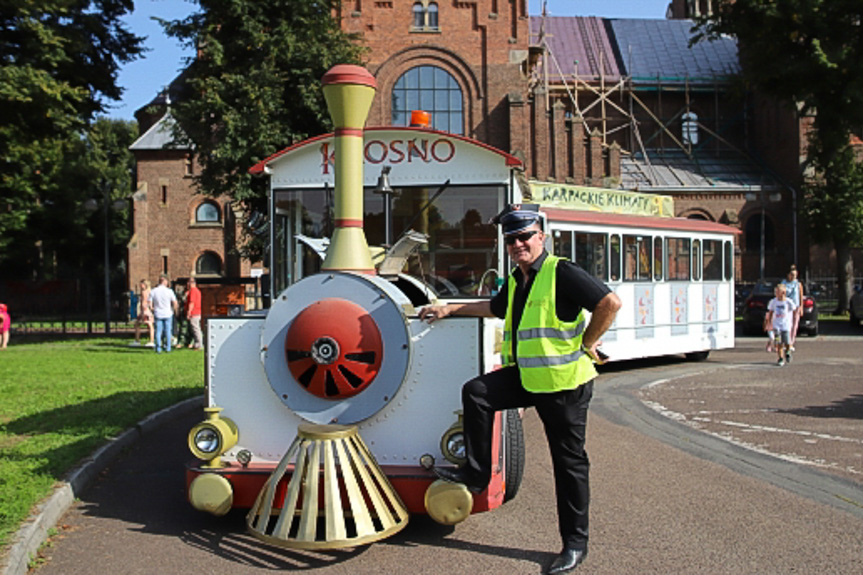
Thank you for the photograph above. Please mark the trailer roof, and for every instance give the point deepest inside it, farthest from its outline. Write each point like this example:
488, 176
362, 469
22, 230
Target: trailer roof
650, 222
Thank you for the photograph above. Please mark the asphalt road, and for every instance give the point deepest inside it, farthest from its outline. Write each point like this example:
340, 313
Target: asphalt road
688, 482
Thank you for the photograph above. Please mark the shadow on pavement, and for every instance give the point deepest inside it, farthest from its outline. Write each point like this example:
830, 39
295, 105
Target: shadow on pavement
848, 408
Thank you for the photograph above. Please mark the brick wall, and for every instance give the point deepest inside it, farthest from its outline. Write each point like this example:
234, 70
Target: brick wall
481, 43
165, 231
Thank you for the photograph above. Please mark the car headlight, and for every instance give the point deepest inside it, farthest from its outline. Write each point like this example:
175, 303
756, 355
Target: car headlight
214, 436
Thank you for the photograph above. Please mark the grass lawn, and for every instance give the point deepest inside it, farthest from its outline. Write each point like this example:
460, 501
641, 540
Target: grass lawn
59, 401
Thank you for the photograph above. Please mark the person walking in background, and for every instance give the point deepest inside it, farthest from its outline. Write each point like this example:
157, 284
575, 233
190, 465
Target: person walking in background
780, 318
5, 325
180, 327
164, 303
794, 292
193, 313
145, 314
548, 354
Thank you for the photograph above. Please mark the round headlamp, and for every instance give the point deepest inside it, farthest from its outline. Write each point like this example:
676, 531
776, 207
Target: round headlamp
455, 446
213, 437
452, 443
207, 440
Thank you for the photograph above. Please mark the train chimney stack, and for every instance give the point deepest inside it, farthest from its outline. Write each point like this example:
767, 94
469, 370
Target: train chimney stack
349, 91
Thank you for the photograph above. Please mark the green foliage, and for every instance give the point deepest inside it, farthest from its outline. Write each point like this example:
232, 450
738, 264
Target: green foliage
58, 65
836, 199
58, 236
809, 53
61, 401
254, 87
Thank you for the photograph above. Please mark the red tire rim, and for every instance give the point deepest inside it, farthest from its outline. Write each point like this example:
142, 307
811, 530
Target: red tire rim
334, 349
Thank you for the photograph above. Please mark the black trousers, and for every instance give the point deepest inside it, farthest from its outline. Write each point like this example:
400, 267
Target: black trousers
564, 417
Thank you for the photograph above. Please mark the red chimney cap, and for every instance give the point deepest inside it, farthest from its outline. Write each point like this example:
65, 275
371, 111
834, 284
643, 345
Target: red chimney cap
349, 74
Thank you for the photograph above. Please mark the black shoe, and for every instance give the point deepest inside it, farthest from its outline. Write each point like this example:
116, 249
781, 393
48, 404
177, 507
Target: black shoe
567, 561
458, 475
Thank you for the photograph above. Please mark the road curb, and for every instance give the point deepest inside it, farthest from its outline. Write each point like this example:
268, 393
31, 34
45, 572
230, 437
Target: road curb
34, 532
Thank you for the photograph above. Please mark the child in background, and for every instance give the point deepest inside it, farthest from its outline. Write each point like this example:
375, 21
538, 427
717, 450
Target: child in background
780, 318
5, 325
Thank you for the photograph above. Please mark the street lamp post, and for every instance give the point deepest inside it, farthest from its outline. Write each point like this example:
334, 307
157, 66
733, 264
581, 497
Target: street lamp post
91, 205
773, 197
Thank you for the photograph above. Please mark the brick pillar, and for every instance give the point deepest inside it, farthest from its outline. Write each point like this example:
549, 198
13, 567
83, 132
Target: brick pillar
558, 149
577, 151
541, 145
519, 142
596, 164
614, 161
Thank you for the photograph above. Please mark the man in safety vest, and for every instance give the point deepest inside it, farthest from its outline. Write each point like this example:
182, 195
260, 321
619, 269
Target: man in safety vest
548, 354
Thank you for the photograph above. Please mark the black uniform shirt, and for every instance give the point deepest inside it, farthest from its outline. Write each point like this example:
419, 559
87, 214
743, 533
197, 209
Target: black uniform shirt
575, 290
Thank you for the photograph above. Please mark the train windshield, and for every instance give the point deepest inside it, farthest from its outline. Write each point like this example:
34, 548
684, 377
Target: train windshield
461, 259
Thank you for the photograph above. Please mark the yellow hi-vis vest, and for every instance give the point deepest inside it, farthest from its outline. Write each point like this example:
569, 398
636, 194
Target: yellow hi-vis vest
550, 357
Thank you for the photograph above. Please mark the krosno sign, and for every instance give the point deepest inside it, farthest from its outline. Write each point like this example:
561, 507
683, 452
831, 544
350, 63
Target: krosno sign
601, 200
417, 158
395, 152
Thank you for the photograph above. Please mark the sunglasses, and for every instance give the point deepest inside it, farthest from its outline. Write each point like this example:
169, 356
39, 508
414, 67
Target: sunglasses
522, 237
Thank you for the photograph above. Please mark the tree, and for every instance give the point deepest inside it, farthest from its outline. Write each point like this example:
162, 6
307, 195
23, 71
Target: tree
58, 66
63, 238
254, 87
810, 53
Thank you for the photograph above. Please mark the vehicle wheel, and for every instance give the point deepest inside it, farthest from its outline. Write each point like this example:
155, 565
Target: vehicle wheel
855, 321
697, 355
513, 453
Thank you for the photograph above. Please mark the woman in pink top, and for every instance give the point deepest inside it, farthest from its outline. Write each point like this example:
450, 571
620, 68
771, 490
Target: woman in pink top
5, 325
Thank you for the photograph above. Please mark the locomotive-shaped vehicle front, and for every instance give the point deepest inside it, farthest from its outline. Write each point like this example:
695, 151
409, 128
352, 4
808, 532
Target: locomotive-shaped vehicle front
326, 414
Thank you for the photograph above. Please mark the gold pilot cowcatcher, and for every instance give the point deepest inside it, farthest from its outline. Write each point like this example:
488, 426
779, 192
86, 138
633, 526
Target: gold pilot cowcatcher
337, 495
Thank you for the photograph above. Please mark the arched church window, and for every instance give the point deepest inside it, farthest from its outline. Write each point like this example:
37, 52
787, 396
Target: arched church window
207, 213
425, 16
432, 90
690, 128
208, 263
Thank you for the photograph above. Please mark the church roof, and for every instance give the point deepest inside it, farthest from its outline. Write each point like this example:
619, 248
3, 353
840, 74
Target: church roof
576, 44
658, 51
160, 136
667, 172
649, 51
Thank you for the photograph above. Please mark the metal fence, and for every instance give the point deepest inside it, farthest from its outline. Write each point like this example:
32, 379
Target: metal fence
825, 290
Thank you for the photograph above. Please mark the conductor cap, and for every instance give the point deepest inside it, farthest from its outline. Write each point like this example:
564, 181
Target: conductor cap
516, 217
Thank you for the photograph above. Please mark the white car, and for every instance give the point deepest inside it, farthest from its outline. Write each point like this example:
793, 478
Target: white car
855, 307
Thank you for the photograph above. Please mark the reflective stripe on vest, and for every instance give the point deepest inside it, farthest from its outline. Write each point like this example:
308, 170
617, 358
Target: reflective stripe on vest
549, 350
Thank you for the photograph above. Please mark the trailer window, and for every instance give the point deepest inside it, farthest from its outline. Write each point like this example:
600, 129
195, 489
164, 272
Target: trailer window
615, 258
657, 259
591, 253
637, 258
696, 255
712, 260
729, 261
677, 258
563, 244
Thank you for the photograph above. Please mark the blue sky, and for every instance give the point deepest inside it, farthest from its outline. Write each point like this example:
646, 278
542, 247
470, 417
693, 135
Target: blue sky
143, 78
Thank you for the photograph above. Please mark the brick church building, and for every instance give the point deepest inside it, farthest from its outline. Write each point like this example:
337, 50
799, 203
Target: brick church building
582, 101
